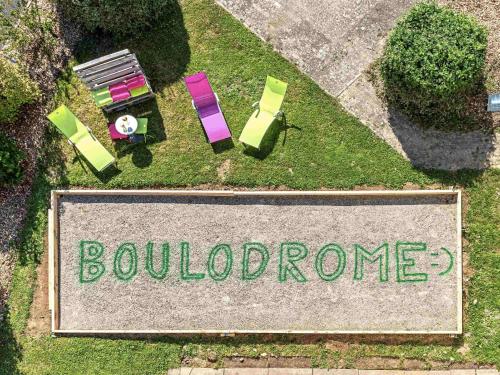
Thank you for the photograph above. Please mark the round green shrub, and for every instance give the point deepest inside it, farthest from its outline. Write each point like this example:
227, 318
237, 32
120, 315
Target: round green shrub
119, 17
16, 89
10, 161
433, 58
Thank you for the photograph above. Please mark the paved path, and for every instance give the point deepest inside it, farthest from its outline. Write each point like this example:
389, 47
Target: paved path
334, 42
310, 371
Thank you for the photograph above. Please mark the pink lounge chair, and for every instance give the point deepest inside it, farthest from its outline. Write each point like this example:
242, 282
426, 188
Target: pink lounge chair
206, 104
135, 82
114, 134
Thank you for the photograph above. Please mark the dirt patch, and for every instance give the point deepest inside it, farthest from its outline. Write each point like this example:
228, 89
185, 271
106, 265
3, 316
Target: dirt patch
39, 321
378, 363
253, 362
223, 169
340, 346
289, 362
195, 362
344, 342
414, 364
267, 361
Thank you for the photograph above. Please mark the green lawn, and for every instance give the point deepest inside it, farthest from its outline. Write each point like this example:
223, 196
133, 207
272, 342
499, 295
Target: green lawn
331, 149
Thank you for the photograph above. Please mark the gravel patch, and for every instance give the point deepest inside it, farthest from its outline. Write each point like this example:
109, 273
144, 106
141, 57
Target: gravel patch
175, 301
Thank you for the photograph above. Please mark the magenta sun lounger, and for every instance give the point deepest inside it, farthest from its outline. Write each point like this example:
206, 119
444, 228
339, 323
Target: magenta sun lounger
206, 103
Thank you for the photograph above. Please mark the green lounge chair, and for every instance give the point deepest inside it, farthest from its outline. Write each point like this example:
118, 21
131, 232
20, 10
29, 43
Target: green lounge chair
81, 138
102, 97
269, 109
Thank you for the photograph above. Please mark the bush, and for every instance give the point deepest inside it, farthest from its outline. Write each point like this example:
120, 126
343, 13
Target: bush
119, 17
10, 161
16, 89
434, 56
28, 29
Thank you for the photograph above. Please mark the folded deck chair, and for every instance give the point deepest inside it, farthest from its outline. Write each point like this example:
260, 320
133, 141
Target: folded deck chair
206, 104
138, 91
119, 91
135, 82
102, 97
268, 109
81, 137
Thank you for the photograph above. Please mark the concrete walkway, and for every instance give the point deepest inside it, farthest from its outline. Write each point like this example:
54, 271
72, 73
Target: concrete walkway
316, 371
334, 42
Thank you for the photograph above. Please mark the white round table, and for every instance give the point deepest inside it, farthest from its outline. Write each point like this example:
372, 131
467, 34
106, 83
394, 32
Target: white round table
126, 125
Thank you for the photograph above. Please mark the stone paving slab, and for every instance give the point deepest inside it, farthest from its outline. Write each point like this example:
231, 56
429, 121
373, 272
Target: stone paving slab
290, 371
334, 42
317, 371
246, 371
310, 371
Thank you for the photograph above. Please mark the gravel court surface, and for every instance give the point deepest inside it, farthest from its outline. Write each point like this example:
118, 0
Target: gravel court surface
344, 304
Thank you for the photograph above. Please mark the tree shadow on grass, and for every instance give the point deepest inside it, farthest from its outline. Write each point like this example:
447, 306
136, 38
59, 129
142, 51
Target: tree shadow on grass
10, 349
463, 178
141, 155
163, 51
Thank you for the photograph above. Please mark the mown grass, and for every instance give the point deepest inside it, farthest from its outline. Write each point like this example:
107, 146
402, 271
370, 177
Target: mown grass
332, 150
325, 147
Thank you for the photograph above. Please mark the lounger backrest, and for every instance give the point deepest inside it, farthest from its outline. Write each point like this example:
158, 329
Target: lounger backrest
273, 95
200, 90
65, 121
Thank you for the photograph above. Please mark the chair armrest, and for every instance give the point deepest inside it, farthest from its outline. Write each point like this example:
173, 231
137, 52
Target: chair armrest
216, 97
256, 104
194, 106
91, 133
70, 143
